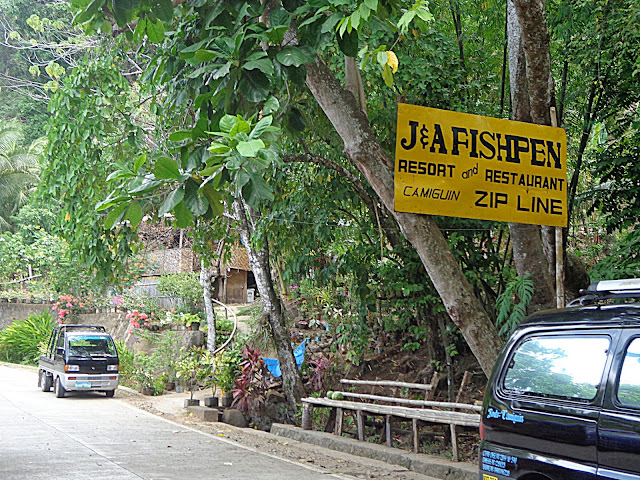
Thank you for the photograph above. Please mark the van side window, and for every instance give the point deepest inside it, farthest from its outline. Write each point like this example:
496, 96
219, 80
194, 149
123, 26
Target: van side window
629, 385
565, 367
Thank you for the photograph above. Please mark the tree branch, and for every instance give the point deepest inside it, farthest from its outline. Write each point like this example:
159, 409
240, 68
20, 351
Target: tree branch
388, 226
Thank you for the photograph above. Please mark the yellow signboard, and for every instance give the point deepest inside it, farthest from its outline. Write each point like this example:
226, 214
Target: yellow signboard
462, 165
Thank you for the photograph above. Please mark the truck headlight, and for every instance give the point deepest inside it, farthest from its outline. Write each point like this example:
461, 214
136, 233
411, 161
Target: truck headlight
71, 368
113, 368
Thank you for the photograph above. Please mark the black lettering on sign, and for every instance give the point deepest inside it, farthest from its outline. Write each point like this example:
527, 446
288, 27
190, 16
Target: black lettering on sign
408, 145
491, 199
426, 168
488, 145
471, 172
551, 206
438, 139
457, 141
535, 152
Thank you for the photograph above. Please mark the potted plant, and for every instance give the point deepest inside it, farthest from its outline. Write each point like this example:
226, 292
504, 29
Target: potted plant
212, 401
191, 321
165, 354
144, 374
194, 367
227, 370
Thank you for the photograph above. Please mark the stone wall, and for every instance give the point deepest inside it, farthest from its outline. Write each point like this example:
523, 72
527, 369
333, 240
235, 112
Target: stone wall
115, 324
10, 312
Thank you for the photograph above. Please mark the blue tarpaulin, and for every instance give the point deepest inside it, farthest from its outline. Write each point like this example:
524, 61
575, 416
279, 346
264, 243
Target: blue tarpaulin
273, 364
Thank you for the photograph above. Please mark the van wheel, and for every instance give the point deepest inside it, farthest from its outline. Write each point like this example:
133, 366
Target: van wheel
110, 393
45, 381
58, 388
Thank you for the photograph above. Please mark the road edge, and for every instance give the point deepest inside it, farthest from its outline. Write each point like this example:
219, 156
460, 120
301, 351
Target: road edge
419, 463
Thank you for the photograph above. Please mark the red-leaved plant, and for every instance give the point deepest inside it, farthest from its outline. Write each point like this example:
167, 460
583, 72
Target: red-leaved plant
318, 373
250, 388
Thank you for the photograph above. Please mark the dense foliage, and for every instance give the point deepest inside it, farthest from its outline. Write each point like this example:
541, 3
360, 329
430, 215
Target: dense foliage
23, 340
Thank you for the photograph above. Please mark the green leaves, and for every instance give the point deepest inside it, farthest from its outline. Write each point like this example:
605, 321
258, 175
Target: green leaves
214, 197
357, 19
254, 85
420, 9
263, 126
172, 200
114, 216
260, 62
164, 10
512, 304
179, 136
197, 204
184, 217
296, 56
203, 55
240, 154
348, 43
134, 213
155, 31
166, 169
234, 124
249, 148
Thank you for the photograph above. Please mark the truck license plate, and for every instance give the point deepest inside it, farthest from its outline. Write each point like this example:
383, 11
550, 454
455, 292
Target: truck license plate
83, 384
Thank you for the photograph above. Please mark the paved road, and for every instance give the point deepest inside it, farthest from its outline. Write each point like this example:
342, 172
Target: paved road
90, 437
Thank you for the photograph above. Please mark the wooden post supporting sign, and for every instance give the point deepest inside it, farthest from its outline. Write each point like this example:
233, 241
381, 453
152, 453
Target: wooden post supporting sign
560, 300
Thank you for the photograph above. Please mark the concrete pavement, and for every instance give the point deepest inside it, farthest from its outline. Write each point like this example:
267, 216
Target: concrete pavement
172, 403
131, 450
88, 436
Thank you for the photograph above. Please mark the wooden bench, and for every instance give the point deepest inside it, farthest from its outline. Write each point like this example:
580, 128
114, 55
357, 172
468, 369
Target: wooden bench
390, 407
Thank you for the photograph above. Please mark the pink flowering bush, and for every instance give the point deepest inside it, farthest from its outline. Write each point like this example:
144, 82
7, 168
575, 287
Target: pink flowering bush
67, 305
136, 319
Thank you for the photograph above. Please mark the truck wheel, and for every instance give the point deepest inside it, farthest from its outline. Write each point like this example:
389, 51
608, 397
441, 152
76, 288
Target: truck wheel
45, 381
110, 393
58, 388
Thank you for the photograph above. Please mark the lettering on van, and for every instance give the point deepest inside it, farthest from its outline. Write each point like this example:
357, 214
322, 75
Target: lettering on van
505, 415
499, 463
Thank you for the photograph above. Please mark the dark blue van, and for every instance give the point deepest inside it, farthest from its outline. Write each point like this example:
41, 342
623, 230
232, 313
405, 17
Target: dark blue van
563, 401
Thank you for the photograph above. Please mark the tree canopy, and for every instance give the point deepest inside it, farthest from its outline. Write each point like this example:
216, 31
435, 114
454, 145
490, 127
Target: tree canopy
178, 110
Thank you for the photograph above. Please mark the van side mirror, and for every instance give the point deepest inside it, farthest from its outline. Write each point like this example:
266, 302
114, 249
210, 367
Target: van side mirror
60, 351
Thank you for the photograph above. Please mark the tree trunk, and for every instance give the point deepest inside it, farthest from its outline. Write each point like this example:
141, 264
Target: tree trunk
206, 274
528, 251
363, 148
353, 82
536, 44
271, 306
457, 23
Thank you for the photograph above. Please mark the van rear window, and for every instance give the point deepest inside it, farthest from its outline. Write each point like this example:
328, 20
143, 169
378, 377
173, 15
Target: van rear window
565, 367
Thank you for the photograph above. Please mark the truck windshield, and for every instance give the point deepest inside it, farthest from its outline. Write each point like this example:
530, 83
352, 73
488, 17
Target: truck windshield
91, 346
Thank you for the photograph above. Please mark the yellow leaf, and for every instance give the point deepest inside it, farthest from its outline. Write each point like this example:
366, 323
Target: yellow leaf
67, 217
392, 61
